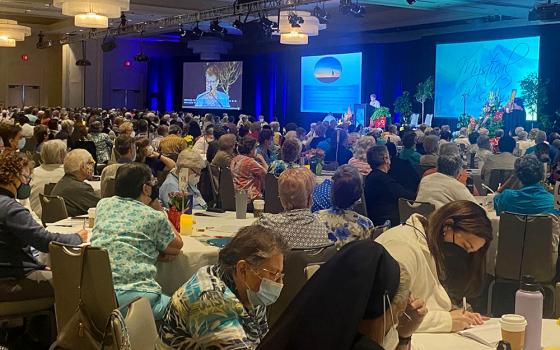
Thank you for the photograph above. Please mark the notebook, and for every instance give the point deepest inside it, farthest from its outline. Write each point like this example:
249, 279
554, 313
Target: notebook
488, 334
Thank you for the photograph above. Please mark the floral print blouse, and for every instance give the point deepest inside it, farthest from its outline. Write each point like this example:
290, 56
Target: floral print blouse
345, 226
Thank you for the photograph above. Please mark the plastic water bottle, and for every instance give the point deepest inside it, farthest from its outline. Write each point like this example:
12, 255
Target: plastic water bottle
529, 303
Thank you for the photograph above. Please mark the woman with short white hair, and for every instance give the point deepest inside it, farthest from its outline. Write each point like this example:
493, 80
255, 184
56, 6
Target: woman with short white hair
359, 159
51, 170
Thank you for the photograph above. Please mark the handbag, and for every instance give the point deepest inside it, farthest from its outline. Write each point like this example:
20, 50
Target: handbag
80, 332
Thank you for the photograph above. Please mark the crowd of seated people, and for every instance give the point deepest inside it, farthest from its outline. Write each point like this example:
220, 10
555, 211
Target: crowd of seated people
224, 305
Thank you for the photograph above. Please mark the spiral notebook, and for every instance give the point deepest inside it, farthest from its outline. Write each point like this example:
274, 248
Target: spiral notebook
488, 334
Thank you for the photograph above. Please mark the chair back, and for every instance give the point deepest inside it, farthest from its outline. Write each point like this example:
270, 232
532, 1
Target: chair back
330, 166
272, 202
226, 190
109, 188
498, 176
421, 169
557, 195
379, 230
48, 188
88, 146
526, 247
140, 326
205, 185
414, 119
408, 207
215, 176
98, 295
53, 208
428, 120
295, 264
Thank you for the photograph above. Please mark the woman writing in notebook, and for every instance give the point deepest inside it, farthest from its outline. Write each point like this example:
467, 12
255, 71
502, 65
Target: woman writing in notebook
461, 227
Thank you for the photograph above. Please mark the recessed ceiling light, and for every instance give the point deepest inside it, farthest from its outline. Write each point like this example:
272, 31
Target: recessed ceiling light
27, 11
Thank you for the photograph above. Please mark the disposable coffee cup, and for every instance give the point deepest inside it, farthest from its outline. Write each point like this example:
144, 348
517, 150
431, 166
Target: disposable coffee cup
258, 207
91, 217
513, 330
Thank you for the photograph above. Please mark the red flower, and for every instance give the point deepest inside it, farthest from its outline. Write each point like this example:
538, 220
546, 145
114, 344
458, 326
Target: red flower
498, 116
472, 121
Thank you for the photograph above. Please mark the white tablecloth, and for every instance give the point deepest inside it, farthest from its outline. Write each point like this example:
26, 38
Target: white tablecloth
447, 341
493, 249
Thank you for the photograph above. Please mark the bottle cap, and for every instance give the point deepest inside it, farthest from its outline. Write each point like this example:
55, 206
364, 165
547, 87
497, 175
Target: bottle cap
529, 284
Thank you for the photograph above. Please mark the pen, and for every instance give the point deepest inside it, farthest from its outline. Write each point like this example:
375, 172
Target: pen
464, 305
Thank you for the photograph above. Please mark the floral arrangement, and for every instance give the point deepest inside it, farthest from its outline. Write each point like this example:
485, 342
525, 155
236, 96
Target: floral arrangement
491, 117
179, 203
190, 140
379, 118
315, 158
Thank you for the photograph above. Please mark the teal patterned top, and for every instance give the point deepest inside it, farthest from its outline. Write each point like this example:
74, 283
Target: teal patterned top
278, 166
205, 313
345, 226
133, 234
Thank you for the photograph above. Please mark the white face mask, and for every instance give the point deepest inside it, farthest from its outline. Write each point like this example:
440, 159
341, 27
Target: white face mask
193, 180
132, 134
391, 339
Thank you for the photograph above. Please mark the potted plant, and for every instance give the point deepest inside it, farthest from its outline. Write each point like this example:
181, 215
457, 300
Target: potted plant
179, 203
379, 118
424, 92
403, 106
315, 158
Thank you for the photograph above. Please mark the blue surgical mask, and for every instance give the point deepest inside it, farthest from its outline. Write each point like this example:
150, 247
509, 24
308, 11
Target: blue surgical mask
21, 143
268, 293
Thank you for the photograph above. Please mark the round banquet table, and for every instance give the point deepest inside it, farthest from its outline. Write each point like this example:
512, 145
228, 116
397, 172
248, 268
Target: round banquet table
447, 341
493, 249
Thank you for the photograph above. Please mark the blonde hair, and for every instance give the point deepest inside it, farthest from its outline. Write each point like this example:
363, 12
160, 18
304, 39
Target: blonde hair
75, 160
295, 188
361, 147
190, 159
125, 126
53, 152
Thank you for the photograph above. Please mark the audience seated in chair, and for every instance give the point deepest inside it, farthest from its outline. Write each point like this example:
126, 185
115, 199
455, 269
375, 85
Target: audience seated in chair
409, 151
298, 225
483, 152
345, 225
503, 160
156, 161
419, 245
78, 195
22, 277
291, 149
431, 150
125, 152
249, 168
359, 160
136, 233
402, 171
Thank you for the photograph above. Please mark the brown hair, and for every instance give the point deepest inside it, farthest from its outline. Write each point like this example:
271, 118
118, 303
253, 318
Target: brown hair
295, 187
227, 142
8, 132
465, 216
141, 149
11, 166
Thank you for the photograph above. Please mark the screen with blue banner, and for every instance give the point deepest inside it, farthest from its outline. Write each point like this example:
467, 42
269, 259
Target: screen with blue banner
466, 73
331, 83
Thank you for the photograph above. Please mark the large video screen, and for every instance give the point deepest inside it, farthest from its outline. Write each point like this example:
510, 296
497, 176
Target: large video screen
331, 83
468, 72
214, 85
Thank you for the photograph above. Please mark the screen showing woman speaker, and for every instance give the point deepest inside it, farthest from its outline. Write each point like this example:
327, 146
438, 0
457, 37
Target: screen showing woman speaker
212, 85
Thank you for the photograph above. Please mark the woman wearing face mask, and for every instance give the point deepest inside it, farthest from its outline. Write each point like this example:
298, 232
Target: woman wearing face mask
11, 137
22, 277
356, 300
223, 306
193, 162
156, 161
420, 246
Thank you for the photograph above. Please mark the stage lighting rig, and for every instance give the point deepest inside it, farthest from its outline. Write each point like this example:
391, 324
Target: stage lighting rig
216, 28
237, 24
321, 14
197, 31
141, 57
182, 31
411, 2
348, 7
295, 20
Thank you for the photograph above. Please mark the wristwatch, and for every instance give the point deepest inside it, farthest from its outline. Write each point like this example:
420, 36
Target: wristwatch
405, 341
159, 156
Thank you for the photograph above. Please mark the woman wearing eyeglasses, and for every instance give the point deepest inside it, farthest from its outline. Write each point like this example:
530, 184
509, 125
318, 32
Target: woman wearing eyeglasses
136, 233
223, 306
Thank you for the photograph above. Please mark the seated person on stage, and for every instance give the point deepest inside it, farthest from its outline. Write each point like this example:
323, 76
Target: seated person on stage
224, 306
353, 302
409, 151
532, 198
51, 170
503, 160
188, 159
402, 171
483, 152
249, 168
382, 192
125, 152
78, 195
359, 160
442, 187
226, 145
418, 247
297, 224
266, 143
136, 233
431, 150
22, 277
291, 149
344, 224
338, 150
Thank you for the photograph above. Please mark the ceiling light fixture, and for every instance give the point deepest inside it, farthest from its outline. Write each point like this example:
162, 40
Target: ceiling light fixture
308, 25
321, 14
83, 62
295, 20
92, 13
216, 28
11, 31
411, 2
348, 7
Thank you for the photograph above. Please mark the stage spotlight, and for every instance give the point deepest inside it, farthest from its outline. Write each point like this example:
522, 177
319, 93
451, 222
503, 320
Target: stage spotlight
238, 24
358, 10
182, 32
411, 2
216, 28
295, 20
321, 14
197, 31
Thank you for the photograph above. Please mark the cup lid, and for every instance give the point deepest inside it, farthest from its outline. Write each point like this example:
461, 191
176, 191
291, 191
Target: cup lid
513, 323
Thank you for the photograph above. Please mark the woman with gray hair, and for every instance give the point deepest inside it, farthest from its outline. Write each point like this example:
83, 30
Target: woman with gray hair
191, 161
291, 149
359, 159
51, 170
431, 149
484, 151
224, 306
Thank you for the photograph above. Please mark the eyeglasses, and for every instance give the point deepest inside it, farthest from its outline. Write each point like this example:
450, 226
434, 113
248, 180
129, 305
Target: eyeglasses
276, 276
153, 182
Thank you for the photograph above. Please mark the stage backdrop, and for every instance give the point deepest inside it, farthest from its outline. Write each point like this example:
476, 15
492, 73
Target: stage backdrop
331, 83
472, 70
214, 85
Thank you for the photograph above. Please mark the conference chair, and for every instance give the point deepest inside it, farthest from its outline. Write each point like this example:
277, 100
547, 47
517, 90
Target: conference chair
226, 190
527, 245
360, 206
296, 275
53, 209
109, 188
139, 324
428, 119
205, 186
215, 177
414, 119
330, 166
13, 311
421, 169
48, 188
497, 177
408, 207
86, 269
272, 202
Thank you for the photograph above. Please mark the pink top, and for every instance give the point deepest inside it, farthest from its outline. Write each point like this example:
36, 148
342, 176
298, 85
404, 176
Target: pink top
247, 174
362, 166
